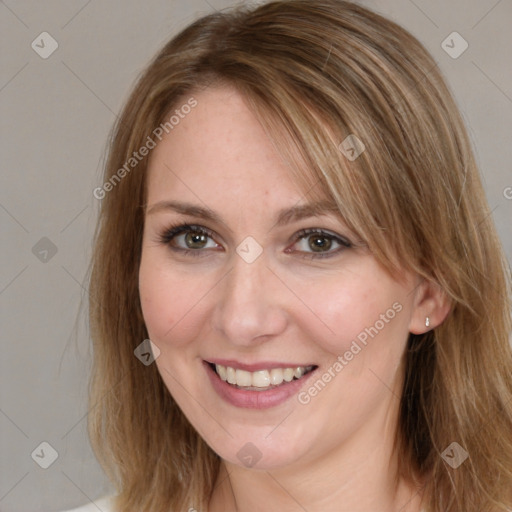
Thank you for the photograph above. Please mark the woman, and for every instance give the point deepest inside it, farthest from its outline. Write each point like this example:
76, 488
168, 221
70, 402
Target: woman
293, 216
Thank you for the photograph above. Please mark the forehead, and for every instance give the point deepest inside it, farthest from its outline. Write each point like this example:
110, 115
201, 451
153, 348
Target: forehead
220, 150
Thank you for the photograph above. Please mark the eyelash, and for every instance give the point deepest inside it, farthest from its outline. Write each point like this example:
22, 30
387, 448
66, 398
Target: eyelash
168, 235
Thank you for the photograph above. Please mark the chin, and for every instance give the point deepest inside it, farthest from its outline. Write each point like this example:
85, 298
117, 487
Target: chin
255, 449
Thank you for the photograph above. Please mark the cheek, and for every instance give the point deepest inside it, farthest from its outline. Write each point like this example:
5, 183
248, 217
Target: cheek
358, 309
170, 302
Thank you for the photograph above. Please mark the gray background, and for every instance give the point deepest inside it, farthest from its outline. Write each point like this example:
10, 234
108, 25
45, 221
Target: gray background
56, 114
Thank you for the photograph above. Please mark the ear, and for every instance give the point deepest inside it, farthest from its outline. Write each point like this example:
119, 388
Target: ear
429, 301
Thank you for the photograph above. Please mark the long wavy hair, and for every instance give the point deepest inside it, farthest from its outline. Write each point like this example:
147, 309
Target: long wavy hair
315, 72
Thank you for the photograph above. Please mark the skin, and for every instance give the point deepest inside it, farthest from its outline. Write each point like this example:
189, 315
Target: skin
335, 452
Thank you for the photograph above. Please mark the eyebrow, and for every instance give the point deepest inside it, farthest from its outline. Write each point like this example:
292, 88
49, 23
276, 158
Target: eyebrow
284, 216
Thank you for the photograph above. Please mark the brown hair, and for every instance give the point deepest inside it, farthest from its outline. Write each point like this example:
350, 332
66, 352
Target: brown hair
316, 72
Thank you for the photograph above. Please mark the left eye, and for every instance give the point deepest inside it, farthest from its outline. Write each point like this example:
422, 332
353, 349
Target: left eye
318, 242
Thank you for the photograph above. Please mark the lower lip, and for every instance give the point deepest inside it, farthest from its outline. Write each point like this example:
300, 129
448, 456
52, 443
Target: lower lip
254, 399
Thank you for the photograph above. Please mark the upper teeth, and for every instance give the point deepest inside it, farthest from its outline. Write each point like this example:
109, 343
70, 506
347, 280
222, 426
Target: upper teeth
260, 378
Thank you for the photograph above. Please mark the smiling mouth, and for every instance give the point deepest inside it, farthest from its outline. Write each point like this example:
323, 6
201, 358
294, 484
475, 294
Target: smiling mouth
261, 380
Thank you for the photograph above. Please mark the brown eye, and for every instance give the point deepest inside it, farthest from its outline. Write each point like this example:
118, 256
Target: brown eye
194, 240
319, 243
189, 238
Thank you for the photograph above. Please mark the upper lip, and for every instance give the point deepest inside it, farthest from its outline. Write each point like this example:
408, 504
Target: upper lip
252, 367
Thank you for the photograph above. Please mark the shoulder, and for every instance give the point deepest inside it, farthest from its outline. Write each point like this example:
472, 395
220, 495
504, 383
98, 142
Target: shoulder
100, 505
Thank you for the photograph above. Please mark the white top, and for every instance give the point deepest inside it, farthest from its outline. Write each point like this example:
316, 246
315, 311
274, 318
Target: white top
103, 504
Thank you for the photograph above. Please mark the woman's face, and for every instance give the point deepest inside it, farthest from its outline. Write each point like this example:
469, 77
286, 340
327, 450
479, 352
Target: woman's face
229, 277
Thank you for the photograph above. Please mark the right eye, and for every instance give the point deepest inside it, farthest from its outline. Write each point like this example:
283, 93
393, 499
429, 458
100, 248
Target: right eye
189, 239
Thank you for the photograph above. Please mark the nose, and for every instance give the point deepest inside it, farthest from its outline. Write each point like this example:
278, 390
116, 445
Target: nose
250, 308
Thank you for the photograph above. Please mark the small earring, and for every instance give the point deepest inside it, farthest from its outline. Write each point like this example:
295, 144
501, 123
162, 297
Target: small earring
427, 322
